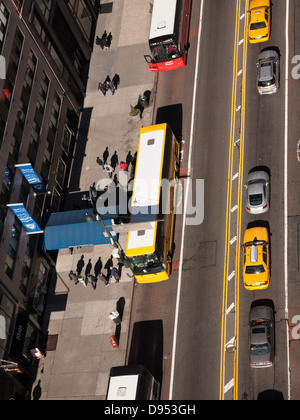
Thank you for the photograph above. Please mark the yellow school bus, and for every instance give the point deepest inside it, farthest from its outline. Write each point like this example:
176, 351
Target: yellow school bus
149, 250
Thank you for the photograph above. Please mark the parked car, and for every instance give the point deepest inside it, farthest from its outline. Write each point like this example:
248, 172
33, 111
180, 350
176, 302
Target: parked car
258, 192
267, 72
256, 259
259, 18
261, 336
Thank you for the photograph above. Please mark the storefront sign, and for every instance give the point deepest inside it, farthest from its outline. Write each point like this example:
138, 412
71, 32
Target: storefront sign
32, 179
27, 221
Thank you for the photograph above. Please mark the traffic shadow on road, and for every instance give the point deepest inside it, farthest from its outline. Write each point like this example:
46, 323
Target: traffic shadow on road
147, 347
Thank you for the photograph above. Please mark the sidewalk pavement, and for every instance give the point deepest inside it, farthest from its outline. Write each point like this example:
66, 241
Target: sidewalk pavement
79, 353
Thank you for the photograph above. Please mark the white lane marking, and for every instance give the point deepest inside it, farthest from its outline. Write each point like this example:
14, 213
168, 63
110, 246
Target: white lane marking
233, 240
234, 209
230, 308
230, 342
185, 203
231, 275
228, 386
286, 296
235, 176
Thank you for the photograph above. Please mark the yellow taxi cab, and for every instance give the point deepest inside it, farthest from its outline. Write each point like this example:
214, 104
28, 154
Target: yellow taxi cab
259, 21
256, 259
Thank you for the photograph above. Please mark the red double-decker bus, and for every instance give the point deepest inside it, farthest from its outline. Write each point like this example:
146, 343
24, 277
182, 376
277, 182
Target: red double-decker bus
169, 34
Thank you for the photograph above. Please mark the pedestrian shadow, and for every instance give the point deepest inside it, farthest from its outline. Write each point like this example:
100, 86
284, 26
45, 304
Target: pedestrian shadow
37, 392
80, 150
80, 265
120, 309
98, 267
88, 268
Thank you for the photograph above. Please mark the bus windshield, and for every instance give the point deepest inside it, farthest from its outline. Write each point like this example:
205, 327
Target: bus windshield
164, 51
146, 264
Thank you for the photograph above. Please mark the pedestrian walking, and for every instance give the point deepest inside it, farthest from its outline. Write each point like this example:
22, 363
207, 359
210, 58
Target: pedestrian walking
93, 194
111, 87
114, 273
101, 163
124, 166
102, 277
107, 80
93, 280
73, 277
82, 280
109, 170
108, 41
86, 200
102, 87
115, 317
108, 266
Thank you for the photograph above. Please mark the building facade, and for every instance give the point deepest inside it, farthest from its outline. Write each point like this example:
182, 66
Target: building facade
46, 46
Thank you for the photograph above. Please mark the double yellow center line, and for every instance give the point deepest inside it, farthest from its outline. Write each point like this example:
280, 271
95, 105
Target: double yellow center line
229, 350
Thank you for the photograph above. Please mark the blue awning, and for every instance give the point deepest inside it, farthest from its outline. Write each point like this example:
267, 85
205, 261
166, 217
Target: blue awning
70, 229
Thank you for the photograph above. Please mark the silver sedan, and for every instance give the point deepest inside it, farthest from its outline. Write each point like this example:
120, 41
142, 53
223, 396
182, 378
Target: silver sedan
261, 336
258, 192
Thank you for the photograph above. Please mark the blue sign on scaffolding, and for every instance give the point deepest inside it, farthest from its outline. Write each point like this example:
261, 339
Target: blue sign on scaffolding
32, 179
27, 221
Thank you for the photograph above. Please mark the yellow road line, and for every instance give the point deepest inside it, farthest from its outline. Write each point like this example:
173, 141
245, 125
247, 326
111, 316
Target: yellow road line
240, 205
228, 209
239, 208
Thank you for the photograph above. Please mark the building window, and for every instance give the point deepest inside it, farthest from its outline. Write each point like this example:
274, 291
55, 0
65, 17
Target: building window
54, 119
55, 203
82, 16
45, 6
38, 119
9, 83
61, 173
12, 249
27, 264
4, 15
39, 297
66, 142
7, 313
48, 44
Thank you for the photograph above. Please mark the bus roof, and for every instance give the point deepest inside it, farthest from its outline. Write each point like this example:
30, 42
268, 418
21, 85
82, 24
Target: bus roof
123, 387
147, 182
163, 18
